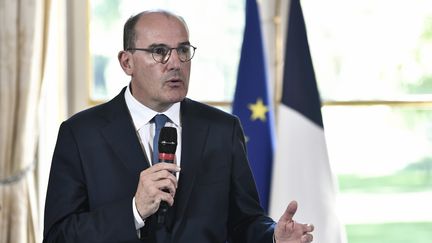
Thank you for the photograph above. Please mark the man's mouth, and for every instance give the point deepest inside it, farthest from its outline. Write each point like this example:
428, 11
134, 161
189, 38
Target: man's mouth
174, 82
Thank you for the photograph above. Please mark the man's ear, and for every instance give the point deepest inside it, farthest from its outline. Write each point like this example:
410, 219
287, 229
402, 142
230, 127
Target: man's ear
126, 62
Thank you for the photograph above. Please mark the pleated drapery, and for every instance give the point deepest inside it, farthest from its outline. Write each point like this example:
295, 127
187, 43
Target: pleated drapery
21, 48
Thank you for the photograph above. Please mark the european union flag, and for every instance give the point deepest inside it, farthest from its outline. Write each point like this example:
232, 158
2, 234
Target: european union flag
252, 104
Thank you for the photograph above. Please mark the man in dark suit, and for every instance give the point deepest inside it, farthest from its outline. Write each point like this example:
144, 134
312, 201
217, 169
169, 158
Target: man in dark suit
105, 185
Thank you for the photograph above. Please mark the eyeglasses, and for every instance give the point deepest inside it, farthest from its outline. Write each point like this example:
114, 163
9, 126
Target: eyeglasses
162, 53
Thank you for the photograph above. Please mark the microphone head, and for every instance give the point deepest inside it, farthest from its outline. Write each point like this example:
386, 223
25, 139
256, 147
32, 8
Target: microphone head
168, 140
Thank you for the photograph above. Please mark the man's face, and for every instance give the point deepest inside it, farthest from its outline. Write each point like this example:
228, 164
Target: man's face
154, 84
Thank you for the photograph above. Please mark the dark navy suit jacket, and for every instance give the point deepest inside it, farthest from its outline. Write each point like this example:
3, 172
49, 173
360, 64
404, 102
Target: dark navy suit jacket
95, 171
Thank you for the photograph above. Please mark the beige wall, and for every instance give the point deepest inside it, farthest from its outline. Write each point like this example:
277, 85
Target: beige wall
78, 71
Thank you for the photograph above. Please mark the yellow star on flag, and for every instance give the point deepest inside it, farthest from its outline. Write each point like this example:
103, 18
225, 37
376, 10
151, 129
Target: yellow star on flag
259, 110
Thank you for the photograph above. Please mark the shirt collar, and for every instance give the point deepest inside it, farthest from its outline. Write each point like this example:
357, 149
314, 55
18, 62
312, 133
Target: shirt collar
142, 115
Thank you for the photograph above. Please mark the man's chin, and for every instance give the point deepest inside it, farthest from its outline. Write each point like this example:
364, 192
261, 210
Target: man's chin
177, 96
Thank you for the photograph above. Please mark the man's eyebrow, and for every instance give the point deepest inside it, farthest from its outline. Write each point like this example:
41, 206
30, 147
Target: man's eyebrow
165, 45
158, 45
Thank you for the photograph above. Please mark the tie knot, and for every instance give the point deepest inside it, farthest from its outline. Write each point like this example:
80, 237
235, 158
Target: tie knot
160, 120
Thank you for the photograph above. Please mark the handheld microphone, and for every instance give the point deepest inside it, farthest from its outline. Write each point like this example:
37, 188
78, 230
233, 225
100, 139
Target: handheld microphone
167, 147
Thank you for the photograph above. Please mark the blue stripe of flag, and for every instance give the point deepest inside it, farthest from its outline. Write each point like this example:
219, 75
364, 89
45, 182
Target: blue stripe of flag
252, 87
300, 90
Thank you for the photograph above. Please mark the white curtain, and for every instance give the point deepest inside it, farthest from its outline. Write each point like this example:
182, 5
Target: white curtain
21, 45
53, 98
33, 101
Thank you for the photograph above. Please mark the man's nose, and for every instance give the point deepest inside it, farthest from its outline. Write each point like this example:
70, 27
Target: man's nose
174, 60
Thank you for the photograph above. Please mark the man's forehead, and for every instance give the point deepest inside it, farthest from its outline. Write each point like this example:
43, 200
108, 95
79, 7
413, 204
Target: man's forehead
160, 17
159, 27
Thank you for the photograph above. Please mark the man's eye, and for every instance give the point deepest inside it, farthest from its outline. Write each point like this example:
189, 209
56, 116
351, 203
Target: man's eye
183, 49
160, 51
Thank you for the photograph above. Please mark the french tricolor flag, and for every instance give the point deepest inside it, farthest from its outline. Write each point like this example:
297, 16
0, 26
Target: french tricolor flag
301, 169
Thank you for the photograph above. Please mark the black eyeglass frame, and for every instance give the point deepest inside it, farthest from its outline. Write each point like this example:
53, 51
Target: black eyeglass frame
167, 56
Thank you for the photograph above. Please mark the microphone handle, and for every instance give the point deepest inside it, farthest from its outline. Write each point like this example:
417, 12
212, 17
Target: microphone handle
163, 206
166, 160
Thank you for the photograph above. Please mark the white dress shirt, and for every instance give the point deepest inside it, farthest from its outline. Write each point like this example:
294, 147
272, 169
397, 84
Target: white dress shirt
142, 119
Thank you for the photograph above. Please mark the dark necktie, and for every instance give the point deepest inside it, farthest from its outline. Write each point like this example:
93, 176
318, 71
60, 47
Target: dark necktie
160, 120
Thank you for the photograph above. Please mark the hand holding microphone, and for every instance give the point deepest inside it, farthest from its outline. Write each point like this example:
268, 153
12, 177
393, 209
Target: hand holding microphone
157, 184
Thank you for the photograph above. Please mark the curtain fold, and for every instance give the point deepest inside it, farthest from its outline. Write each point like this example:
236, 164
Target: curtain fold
21, 39
53, 98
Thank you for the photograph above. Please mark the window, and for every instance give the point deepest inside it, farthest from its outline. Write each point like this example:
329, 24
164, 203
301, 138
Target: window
372, 63
218, 44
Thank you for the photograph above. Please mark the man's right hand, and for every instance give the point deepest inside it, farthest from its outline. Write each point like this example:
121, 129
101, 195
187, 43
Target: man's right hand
156, 184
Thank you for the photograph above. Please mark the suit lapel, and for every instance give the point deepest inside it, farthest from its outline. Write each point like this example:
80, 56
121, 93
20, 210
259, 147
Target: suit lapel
194, 136
121, 136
